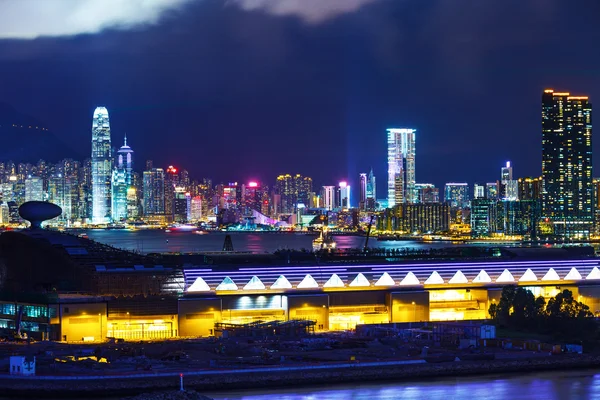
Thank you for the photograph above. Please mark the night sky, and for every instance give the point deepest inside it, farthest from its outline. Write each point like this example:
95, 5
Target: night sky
249, 89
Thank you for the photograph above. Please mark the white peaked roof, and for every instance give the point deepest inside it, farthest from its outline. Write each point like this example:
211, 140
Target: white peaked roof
410, 279
385, 280
551, 275
528, 276
254, 284
573, 275
458, 277
482, 277
281, 283
505, 276
360, 280
308, 283
434, 279
227, 284
595, 274
334, 281
199, 286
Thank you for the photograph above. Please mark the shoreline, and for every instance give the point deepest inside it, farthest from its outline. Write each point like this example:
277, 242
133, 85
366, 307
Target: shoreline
275, 377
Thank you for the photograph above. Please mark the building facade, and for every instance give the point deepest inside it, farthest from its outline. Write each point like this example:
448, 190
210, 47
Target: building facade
101, 167
567, 190
401, 166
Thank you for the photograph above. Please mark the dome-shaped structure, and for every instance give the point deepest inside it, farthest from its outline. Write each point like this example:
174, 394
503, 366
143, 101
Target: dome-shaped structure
37, 212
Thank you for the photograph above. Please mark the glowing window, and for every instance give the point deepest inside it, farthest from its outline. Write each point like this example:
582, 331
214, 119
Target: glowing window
360, 280
385, 280
410, 279
528, 276
227, 284
254, 284
551, 275
458, 277
434, 279
281, 283
482, 277
308, 283
334, 281
199, 286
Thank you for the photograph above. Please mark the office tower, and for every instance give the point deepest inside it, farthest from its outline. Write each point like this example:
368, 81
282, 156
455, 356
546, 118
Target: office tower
101, 167
119, 195
483, 217
132, 203
530, 188
518, 217
401, 166
56, 194
304, 189
328, 195
416, 218
196, 209
510, 186
427, 193
34, 189
171, 181
478, 191
362, 186
4, 213
229, 195
154, 192
125, 161
491, 191
343, 196
181, 205
567, 190
457, 194
371, 192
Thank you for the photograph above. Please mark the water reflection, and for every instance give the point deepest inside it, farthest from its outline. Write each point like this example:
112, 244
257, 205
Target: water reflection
547, 386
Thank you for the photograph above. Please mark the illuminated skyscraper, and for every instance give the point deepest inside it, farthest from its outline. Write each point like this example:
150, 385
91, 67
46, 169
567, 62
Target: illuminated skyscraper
328, 195
401, 166
510, 186
343, 198
362, 186
34, 189
457, 194
154, 192
125, 161
567, 189
119, 195
101, 167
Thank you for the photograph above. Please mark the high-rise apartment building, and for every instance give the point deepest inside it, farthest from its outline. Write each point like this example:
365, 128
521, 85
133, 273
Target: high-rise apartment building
401, 166
427, 193
510, 186
291, 191
491, 190
328, 195
101, 167
362, 189
343, 196
567, 190
478, 191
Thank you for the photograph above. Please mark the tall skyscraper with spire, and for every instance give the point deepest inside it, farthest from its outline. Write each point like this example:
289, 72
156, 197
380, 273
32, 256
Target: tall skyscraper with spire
121, 182
401, 166
101, 167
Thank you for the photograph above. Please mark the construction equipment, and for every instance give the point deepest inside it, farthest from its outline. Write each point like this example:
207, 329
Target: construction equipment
368, 233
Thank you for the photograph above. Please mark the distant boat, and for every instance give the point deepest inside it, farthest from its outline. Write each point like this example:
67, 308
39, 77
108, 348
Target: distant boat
83, 235
167, 231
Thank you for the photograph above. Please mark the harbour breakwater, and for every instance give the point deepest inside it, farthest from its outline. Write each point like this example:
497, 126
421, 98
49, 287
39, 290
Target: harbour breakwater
285, 376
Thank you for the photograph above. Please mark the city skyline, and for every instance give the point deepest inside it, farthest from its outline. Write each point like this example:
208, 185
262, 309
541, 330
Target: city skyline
186, 85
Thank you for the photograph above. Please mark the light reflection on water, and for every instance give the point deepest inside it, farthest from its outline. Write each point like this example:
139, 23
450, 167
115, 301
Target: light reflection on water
148, 241
546, 386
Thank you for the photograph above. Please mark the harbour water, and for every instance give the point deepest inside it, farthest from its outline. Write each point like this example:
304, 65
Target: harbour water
159, 241
547, 385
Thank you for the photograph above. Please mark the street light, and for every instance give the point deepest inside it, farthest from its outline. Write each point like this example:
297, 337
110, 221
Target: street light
100, 316
414, 311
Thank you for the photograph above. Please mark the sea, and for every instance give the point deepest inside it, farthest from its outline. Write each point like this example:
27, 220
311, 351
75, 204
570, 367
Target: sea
160, 241
561, 385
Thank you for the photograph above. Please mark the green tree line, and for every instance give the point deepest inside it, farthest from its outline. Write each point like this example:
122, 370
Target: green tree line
563, 317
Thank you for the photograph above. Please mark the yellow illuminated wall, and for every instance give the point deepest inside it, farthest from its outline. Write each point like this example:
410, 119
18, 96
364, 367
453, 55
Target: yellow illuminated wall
458, 304
409, 306
143, 327
310, 307
197, 317
80, 322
